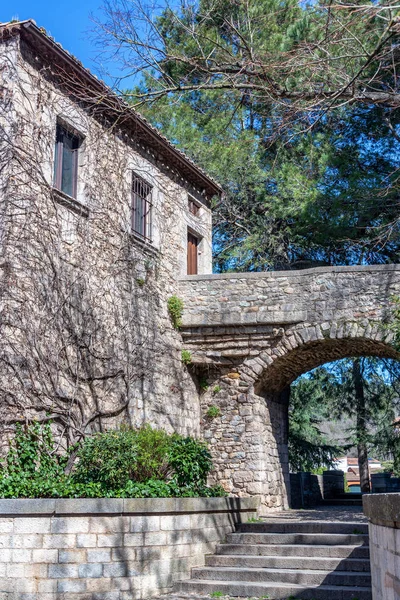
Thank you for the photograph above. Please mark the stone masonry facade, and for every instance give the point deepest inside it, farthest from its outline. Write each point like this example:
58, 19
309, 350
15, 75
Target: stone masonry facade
86, 337
85, 332
109, 549
251, 334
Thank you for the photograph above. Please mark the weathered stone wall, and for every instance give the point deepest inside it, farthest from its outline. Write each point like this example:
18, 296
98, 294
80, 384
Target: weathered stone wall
85, 331
383, 512
108, 549
252, 334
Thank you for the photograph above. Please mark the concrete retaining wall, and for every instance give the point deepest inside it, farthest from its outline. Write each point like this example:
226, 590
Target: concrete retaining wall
108, 549
383, 512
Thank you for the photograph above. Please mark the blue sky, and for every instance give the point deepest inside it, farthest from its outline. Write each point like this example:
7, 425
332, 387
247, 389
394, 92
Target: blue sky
68, 21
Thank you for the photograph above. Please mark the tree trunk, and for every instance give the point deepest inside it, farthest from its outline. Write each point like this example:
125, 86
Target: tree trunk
361, 426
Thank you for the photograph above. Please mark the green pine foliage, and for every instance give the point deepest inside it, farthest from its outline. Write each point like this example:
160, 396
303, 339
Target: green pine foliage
320, 189
125, 463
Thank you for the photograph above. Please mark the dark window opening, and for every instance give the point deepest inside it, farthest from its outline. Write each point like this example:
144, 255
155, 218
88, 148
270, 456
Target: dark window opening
194, 208
141, 207
66, 161
192, 254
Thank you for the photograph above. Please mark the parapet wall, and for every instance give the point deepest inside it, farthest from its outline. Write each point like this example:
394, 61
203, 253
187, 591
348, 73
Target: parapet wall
315, 295
383, 512
109, 549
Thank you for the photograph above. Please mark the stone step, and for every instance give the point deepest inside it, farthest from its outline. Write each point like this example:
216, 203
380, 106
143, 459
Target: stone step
276, 591
309, 550
330, 539
303, 527
305, 577
339, 502
289, 562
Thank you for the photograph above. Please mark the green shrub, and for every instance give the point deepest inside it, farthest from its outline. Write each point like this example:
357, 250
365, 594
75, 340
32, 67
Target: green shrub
190, 460
175, 309
127, 463
114, 458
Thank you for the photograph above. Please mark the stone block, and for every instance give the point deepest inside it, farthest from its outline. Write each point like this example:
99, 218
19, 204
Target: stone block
68, 585
140, 524
16, 570
115, 524
44, 556
116, 569
70, 525
155, 538
175, 522
5, 541
60, 540
149, 505
21, 556
85, 506
6, 525
102, 584
90, 570
86, 540
27, 506
36, 571
99, 556
33, 540
63, 571
133, 539
32, 525
111, 540
48, 586
125, 554
71, 556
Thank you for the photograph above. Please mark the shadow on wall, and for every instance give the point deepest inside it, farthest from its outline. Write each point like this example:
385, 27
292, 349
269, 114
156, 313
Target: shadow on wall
146, 554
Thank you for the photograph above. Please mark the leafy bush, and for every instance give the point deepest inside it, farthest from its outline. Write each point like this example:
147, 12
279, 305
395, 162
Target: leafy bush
117, 457
126, 463
190, 461
175, 309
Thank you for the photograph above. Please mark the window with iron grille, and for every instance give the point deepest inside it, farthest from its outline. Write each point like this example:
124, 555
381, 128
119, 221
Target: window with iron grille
66, 161
194, 208
141, 207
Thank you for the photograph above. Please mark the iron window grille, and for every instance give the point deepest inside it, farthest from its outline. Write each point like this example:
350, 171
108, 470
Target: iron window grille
142, 208
194, 208
66, 161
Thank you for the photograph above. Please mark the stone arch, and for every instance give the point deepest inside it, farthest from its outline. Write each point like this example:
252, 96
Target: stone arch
293, 353
302, 349
249, 440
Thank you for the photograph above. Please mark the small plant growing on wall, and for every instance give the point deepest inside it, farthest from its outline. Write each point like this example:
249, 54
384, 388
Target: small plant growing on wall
203, 384
216, 389
175, 309
186, 357
213, 412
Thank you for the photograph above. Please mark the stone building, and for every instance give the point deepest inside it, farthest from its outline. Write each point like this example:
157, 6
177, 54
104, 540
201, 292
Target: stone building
100, 216
102, 221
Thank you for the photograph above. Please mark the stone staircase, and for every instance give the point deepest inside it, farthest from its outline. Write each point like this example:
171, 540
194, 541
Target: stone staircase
280, 559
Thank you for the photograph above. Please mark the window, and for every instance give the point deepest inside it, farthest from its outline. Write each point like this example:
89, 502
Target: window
141, 207
66, 161
194, 208
192, 254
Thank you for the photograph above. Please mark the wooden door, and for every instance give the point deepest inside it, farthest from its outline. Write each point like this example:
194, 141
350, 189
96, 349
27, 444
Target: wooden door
192, 251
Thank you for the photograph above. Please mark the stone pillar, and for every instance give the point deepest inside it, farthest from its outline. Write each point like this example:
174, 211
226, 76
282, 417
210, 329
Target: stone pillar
247, 440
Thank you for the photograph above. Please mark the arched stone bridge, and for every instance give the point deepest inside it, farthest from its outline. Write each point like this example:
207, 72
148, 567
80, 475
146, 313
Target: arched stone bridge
252, 334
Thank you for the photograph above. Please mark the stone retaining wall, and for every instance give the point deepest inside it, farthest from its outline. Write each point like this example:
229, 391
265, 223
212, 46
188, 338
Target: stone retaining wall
108, 549
383, 512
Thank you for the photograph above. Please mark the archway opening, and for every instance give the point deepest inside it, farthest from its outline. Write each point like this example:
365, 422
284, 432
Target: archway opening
358, 396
